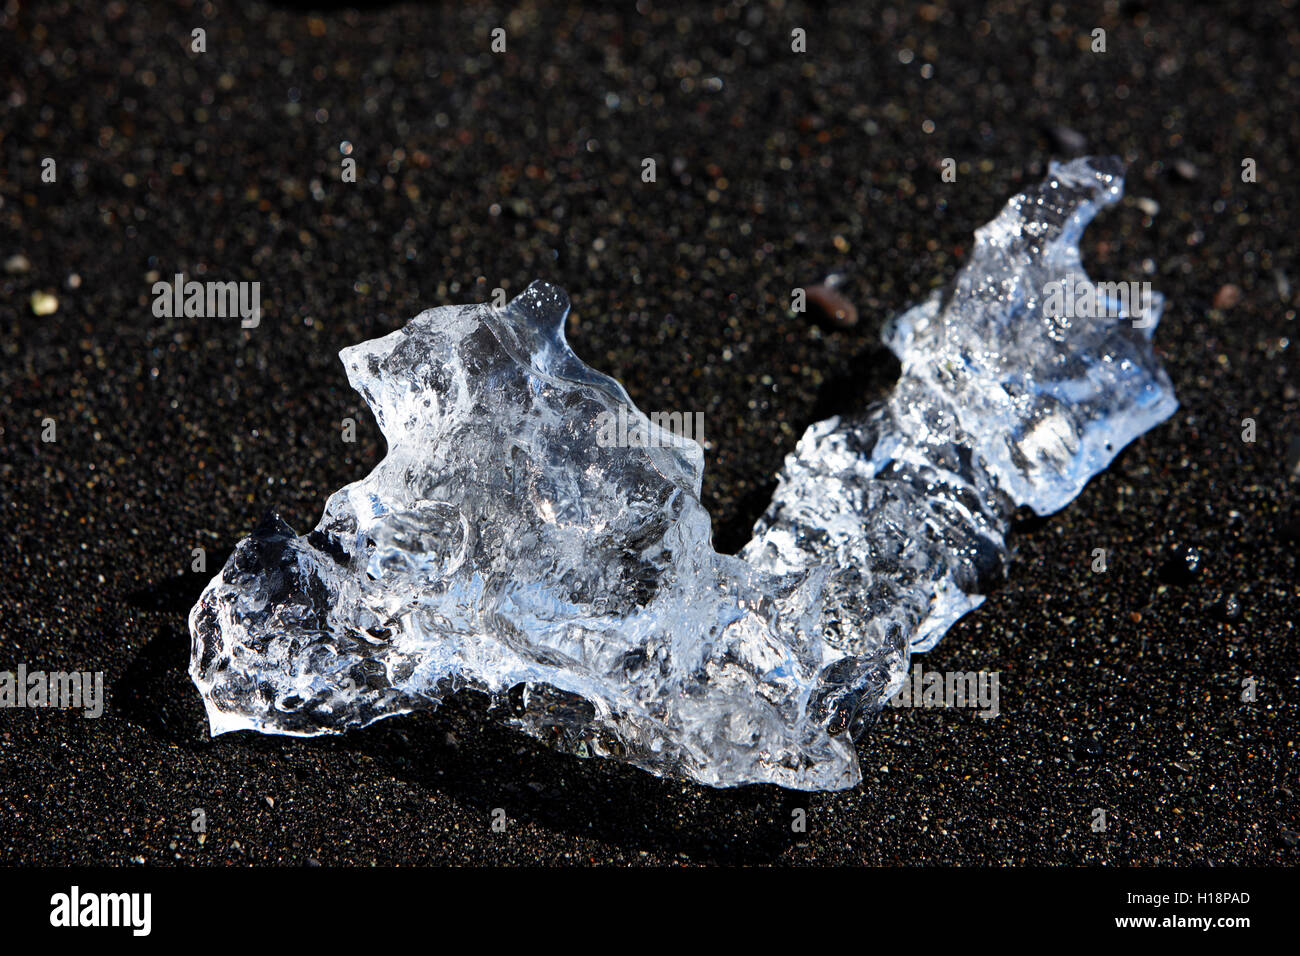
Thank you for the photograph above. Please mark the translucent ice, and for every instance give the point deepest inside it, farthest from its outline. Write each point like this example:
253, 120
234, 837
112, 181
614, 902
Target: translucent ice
500, 546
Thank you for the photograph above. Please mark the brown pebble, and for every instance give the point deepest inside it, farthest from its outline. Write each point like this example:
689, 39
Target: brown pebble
1228, 296
834, 306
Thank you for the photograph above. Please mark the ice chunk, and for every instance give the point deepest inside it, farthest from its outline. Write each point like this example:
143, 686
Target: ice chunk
501, 546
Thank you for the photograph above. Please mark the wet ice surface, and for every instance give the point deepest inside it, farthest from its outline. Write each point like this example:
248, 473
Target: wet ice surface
500, 546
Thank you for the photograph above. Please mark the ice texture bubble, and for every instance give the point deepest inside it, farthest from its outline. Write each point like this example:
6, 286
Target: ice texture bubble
500, 546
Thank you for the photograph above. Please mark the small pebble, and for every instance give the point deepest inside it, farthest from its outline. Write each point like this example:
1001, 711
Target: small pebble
1185, 170
43, 303
832, 305
1183, 566
1227, 296
18, 264
1069, 140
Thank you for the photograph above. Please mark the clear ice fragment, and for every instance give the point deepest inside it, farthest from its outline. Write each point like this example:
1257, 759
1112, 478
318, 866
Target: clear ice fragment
500, 546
